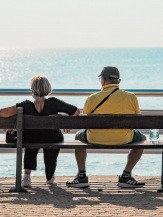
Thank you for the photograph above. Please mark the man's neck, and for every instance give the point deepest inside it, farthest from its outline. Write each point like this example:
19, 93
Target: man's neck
106, 83
109, 86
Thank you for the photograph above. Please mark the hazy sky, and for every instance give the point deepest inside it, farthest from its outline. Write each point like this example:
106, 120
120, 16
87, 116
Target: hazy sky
81, 23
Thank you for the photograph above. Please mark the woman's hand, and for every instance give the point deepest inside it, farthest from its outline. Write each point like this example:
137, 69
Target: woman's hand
77, 112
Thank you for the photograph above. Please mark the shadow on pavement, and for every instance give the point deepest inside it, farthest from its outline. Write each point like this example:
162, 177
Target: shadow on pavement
67, 198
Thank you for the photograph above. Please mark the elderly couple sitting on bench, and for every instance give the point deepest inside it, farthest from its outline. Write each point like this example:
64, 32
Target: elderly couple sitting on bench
110, 100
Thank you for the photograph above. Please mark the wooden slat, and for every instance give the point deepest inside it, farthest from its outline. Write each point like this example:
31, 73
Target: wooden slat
144, 131
75, 144
151, 112
90, 151
3, 144
143, 111
72, 144
94, 122
154, 149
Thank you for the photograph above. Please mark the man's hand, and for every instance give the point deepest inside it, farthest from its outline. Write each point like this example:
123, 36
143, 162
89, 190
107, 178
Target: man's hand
3, 130
67, 130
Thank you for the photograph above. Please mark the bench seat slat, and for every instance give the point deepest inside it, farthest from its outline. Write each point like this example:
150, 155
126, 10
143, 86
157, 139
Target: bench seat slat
72, 144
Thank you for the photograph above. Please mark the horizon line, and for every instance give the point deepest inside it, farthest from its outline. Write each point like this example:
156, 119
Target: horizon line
61, 48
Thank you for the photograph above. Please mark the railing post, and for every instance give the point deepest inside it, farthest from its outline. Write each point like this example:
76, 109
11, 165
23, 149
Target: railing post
19, 128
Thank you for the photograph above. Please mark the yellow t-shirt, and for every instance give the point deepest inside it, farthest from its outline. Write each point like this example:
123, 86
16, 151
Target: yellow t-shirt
120, 102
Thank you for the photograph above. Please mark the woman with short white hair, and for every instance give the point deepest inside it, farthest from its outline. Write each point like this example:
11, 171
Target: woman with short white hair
41, 106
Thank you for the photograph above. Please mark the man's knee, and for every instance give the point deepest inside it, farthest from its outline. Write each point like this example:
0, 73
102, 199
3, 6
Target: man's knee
140, 150
81, 152
144, 137
77, 136
136, 151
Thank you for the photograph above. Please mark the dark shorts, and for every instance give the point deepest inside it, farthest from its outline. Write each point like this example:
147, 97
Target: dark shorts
82, 135
136, 138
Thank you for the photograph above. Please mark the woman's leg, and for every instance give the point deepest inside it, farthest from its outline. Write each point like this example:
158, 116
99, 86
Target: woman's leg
30, 163
50, 160
30, 160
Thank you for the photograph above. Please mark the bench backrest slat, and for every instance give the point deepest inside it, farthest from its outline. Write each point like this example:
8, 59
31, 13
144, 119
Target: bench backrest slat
93, 122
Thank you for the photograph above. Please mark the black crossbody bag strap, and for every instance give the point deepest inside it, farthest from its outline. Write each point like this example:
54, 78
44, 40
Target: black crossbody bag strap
105, 99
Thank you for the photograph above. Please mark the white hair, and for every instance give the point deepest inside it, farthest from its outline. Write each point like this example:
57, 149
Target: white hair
40, 86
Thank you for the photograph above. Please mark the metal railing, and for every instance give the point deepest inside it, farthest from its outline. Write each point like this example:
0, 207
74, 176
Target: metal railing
79, 92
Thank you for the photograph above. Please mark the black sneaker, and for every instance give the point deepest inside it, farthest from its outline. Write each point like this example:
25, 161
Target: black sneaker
78, 183
129, 182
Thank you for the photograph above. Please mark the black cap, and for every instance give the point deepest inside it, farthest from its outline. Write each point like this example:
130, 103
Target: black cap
110, 72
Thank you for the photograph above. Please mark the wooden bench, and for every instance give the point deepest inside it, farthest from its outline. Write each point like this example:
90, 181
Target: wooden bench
21, 122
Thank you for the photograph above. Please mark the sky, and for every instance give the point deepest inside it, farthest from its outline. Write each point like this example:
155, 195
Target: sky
81, 23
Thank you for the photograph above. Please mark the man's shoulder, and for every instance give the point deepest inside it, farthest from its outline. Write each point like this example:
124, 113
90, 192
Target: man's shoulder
127, 93
100, 95
94, 96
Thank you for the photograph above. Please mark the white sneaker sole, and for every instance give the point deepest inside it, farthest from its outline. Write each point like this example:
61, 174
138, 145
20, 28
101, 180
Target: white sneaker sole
51, 181
80, 185
124, 185
26, 186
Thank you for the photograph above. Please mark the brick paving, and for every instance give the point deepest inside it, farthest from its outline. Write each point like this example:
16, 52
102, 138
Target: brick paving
103, 198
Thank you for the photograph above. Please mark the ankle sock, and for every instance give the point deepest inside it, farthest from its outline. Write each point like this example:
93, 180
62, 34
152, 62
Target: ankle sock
82, 174
126, 174
26, 176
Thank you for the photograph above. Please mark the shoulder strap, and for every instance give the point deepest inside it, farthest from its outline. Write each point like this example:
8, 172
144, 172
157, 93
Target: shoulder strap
105, 99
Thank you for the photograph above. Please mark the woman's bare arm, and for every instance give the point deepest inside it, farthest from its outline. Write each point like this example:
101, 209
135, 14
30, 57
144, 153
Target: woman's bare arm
8, 111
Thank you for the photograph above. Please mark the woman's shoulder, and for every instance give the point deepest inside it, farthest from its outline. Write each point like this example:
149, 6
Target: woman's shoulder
57, 102
52, 99
24, 103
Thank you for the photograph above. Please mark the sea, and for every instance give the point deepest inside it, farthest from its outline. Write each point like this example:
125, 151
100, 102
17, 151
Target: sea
140, 68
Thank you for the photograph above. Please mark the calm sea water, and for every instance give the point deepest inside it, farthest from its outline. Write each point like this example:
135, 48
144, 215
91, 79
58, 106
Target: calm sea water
140, 68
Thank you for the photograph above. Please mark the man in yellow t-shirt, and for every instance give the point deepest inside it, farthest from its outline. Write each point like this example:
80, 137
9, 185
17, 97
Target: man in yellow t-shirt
118, 102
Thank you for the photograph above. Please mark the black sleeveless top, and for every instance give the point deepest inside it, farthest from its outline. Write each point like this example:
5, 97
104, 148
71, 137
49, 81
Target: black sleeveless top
52, 106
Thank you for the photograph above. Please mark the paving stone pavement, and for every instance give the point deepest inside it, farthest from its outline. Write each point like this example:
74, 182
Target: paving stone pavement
103, 198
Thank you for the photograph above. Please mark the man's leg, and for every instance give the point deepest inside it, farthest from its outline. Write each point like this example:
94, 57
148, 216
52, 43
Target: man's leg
135, 154
81, 180
126, 180
133, 157
81, 155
